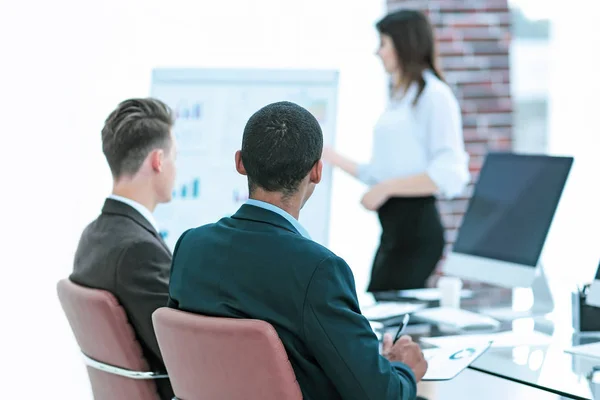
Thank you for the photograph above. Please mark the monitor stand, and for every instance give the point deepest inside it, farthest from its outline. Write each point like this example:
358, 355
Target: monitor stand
543, 302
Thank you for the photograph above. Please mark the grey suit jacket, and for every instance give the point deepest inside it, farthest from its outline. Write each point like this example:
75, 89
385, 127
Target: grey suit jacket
122, 253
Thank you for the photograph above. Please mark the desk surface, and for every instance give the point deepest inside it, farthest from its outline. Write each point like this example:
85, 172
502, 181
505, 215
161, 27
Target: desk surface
546, 366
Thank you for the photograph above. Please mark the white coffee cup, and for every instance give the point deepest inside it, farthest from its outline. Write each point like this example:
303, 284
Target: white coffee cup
450, 288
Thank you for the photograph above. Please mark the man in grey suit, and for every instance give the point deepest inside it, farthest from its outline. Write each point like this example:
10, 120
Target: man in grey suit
122, 251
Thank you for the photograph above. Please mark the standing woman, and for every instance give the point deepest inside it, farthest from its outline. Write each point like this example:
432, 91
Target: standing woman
418, 153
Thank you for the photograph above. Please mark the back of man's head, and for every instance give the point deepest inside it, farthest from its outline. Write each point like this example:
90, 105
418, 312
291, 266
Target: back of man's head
133, 130
282, 142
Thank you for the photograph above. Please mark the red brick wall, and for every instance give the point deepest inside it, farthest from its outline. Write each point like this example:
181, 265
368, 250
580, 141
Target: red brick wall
473, 39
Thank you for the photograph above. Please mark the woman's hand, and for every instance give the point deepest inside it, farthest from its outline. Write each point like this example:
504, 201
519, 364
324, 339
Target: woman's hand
376, 196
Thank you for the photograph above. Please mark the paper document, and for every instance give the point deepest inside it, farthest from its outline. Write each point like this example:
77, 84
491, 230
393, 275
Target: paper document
502, 339
447, 363
385, 310
587, 350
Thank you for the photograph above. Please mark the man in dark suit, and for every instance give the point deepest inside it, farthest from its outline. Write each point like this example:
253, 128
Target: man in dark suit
122, 251
261, 264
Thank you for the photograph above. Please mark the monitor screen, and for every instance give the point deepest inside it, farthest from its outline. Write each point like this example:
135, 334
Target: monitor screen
512, 207
598, 273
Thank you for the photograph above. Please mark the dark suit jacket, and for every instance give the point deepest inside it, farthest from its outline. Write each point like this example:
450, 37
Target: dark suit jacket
122, 253
256, 265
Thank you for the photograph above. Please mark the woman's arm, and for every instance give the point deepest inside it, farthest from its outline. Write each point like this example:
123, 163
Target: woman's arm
449, 162
362, 172
412, 186
337, 160
416, 185
448, 170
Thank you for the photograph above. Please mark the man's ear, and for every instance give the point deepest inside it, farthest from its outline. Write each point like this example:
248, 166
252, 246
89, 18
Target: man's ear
316, 173
239, 164
156, 160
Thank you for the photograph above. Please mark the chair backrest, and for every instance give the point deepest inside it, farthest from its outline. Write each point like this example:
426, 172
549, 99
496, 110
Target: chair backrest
224, 358
104, 334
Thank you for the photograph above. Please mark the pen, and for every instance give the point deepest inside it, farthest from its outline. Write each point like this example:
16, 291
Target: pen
402, 327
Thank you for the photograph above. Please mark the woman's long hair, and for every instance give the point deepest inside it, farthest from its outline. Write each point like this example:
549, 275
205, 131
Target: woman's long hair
414, 41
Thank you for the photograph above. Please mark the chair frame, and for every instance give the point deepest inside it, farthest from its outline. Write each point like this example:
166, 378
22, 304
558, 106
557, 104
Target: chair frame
127, 373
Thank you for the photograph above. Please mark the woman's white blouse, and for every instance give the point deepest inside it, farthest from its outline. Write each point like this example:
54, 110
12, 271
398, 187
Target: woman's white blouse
423, 138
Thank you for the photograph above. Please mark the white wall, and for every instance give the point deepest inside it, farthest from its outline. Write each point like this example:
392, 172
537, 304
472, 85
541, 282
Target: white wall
573, 248
67, 63
529, 68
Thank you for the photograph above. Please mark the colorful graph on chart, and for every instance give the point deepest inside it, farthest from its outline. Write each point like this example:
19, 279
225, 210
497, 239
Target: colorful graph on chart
188, 111
188, 191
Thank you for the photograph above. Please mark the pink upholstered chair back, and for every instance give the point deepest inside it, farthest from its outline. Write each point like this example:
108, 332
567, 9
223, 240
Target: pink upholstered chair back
116, 367
224, 359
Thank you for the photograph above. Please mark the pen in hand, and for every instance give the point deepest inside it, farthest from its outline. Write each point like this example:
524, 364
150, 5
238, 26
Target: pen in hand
402, 327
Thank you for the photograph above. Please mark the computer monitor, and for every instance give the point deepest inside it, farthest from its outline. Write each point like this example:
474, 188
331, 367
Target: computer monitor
507, 220
593, 296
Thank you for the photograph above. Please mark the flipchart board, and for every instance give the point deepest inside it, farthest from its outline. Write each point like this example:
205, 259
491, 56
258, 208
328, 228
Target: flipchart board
212, 107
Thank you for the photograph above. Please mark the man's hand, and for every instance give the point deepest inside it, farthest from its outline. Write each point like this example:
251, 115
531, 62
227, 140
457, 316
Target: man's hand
405, 351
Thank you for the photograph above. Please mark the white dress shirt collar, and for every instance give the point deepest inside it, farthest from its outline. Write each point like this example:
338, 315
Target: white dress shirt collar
138, 207
268, 206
